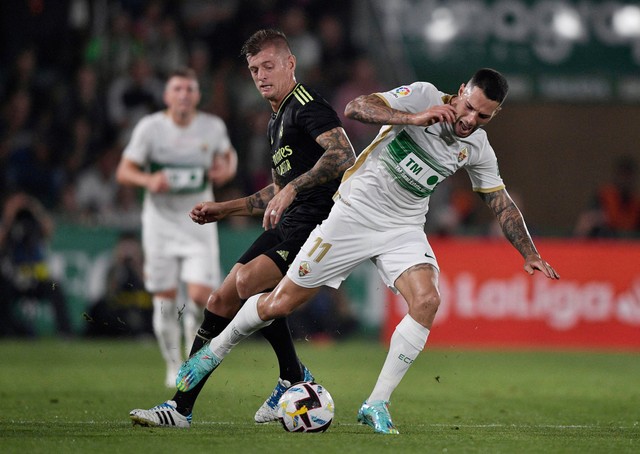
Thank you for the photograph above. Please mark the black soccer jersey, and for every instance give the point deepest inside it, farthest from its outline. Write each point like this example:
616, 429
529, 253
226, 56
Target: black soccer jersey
302, 117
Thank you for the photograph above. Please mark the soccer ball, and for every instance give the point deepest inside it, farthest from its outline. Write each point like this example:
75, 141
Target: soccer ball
306, 407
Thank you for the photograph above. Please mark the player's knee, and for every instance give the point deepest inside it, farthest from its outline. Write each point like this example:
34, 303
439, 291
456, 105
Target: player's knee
427, 303
221, 306
244, 284
251, 281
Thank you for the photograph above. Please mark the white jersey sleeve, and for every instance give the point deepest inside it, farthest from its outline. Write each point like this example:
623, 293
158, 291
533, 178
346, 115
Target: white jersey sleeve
413, 98
139, 146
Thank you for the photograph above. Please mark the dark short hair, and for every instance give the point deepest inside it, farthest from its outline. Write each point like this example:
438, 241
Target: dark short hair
492, 83
263, 38
185, 72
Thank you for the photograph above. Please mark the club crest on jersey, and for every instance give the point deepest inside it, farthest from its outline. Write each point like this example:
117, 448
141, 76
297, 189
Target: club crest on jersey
463, 154
304, 269
401, 91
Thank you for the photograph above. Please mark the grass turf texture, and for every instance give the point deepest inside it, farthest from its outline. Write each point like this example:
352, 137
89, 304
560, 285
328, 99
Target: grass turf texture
75, 396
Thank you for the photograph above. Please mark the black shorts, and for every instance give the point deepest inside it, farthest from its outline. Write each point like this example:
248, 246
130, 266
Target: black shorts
280, 244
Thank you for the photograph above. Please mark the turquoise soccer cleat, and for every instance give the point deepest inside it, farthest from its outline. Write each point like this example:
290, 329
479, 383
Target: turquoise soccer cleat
198, 366
376, 415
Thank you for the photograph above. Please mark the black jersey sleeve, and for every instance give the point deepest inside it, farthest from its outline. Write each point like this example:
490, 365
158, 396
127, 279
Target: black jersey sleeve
317, 116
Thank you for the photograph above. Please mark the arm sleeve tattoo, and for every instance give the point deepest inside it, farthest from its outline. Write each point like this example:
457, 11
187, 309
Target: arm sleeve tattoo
510, 220
337, 158
373, 109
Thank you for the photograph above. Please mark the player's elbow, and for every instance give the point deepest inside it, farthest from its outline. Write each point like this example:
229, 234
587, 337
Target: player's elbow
351, 108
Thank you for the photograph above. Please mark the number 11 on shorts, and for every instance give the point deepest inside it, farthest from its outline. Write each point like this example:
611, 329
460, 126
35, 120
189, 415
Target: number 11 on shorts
319, 245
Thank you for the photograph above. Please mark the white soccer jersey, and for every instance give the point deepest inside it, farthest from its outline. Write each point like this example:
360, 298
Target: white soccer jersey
392, 179
185, 154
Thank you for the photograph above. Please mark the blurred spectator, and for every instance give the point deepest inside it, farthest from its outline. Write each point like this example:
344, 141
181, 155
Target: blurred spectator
79, 150
169, 51
134, 95
200, 62
34, 171
362, 80
114, 51
97, 187
17, 133
156, 33
615, 209
126, 307
85, 100
24, 273
215, 23
23, 76
337, 52
304, 44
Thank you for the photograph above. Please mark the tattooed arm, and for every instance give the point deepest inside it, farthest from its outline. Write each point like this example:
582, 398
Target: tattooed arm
253, 205
514, 228
374, 109
337, 157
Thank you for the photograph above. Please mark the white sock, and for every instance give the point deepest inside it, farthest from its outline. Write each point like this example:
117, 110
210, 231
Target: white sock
246, 322
167, 330
407, 341
192, 316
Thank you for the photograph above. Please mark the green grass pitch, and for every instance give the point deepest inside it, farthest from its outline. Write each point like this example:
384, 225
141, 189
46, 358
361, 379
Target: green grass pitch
74, 397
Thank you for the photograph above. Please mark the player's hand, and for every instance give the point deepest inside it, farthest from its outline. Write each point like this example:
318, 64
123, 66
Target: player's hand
534, 262
277, 206
158, 182
445, 113
206, 212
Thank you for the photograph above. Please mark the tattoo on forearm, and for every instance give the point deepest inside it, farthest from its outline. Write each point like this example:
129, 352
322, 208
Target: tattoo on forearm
337, 158
511, 221
260, 199
372, 109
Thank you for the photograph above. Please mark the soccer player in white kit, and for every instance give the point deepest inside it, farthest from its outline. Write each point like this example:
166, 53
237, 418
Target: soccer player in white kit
379, 215
176, 155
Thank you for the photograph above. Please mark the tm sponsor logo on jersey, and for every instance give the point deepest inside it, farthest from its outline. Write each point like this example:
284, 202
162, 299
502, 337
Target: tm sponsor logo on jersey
419, 171
401, 91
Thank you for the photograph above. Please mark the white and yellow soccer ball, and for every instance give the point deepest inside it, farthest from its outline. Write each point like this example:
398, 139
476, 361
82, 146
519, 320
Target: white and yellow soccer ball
306, 407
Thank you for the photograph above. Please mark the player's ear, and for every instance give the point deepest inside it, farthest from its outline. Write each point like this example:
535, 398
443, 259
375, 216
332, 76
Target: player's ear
291, 61
461, 89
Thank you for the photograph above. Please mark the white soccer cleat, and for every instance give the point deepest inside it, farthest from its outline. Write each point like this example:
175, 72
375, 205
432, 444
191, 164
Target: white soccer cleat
163, 415
268, 411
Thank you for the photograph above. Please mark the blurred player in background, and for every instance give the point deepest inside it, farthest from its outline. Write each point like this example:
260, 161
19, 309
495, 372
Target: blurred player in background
177, 155
379, 215
310, 152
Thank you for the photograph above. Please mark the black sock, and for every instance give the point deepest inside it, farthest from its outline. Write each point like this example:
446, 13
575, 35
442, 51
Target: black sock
211, 326
279, 336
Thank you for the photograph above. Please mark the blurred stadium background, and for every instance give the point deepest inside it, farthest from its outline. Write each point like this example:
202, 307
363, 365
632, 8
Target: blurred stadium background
76, 75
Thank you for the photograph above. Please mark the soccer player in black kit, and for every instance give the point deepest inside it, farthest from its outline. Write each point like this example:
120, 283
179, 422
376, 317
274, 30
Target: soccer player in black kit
310, 151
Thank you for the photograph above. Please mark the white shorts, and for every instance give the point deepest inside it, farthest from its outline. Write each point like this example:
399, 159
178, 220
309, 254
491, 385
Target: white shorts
340, 244
174, 257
